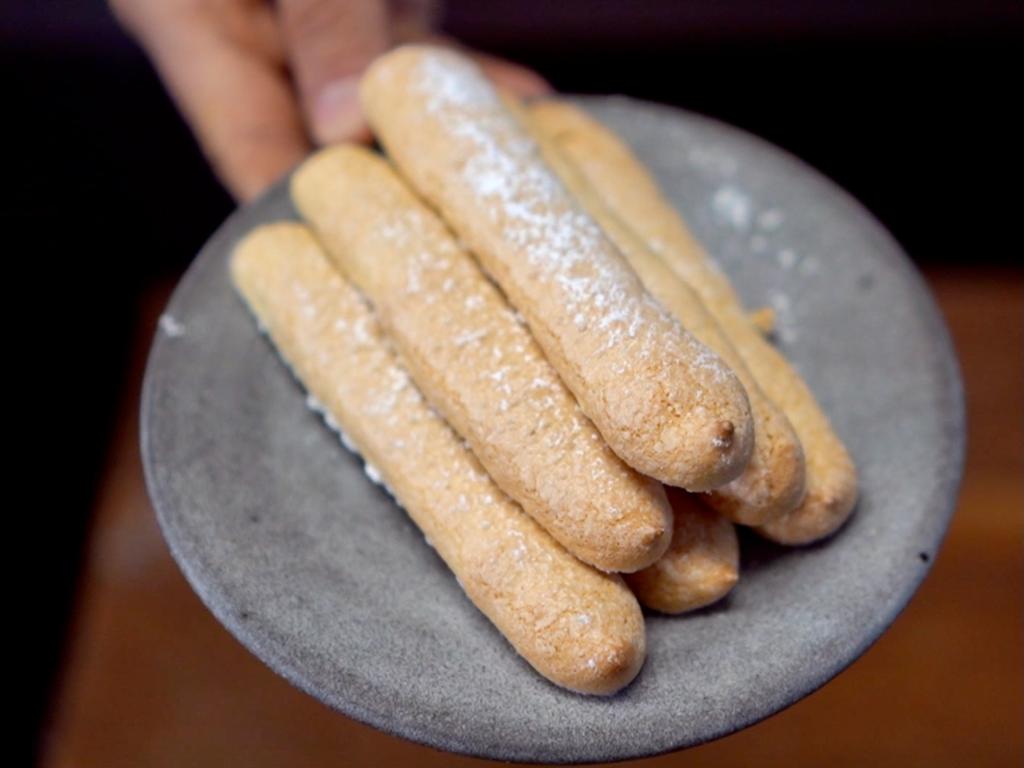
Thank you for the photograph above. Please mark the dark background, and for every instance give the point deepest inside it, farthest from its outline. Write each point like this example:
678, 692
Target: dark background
908, 105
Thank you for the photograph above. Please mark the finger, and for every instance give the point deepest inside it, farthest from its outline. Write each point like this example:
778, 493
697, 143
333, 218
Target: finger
330, 43
248, 24
238, 102
412, 20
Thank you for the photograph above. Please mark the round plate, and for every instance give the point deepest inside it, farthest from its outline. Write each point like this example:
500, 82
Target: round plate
325, 579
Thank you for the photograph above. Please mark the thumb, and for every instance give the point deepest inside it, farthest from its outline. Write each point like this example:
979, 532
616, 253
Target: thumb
330, 43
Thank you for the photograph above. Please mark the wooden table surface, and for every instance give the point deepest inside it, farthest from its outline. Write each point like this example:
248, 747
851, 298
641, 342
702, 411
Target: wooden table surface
151, 678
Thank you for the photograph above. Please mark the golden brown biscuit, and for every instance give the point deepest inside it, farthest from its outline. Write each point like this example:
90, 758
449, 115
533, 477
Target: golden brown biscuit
763, 318
701, 566
477, 365
580, 628
773, 482
666, 404
632, 194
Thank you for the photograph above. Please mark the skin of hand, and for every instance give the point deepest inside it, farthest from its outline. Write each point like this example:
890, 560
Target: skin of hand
261, 83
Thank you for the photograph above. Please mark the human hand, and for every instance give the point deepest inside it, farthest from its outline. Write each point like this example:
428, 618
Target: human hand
261, 83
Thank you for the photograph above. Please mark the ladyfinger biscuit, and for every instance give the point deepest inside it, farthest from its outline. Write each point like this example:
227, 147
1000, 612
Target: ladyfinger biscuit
701, 566
580, 628
477, 365
632, 194
763, 318
773, 482
667, 405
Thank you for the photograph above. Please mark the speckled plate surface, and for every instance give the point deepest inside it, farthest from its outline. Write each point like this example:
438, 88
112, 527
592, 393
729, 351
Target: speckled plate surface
323, 577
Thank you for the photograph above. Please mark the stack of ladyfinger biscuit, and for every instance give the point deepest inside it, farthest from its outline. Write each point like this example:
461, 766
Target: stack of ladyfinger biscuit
511, 324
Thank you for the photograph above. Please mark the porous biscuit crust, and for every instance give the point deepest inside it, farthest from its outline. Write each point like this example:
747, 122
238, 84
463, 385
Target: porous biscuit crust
477, 364
666, 404
580, 628
773, 483
630, 191
701, 566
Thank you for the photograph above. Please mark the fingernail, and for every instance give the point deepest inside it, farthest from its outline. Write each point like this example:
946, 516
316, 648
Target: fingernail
336, 112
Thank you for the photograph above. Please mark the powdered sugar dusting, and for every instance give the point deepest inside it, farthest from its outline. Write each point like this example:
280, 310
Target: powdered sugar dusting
343, 436
170, 327
469, 337
787, 258
374, 474
764, 229
562, 245
780, 302
732, 206
785, 317
451, 81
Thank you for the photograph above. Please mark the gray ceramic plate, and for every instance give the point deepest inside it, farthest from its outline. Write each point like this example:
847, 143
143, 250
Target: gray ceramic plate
319, 574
